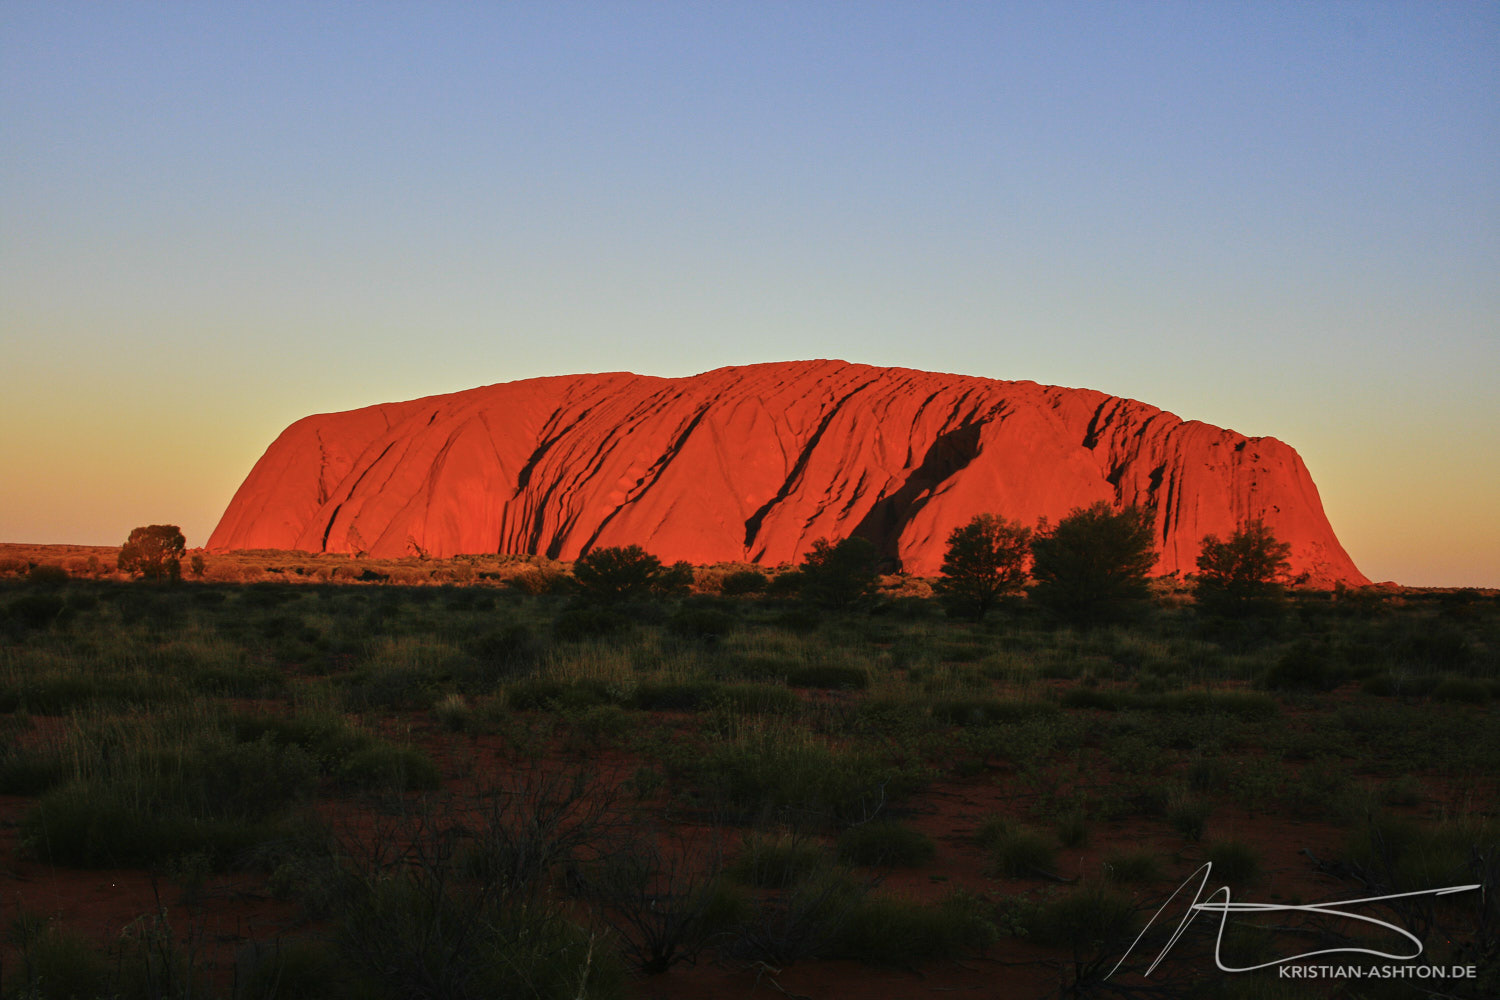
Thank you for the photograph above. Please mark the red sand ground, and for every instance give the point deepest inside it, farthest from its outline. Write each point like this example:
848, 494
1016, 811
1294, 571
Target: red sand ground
235, 910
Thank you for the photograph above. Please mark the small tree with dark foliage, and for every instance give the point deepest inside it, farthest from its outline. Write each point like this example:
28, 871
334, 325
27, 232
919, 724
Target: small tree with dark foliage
839, 574
986, 560
154, 550
1091, 567
1245, 573
623, 573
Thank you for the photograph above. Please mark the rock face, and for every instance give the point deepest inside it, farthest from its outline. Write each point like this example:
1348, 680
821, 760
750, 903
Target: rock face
752, 464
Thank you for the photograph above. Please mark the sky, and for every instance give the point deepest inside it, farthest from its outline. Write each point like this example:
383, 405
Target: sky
1279, 218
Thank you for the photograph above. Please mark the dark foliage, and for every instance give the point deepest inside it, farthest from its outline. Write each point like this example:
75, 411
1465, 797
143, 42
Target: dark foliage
622, 573
1090, 568
154, 550
1243, 574
986, 561
839, 575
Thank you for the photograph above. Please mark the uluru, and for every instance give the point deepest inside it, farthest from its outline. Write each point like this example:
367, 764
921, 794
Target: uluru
754, 463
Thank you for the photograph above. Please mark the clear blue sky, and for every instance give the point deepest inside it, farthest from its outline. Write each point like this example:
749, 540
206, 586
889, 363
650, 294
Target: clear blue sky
1281, 218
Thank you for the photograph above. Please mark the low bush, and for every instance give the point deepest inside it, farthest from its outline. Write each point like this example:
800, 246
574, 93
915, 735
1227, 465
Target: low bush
1089, 918
87, 824
1234, 862
291, 969
1016, 851
505, 652
885, 843
584, 623
36, 611
1188, 816
1133, 866
1304, 667
549, 694
894, 931
387, 767
745, 581
675, 696
830, 676
990, 711
57, 964
1469, 690
757, 699
706, 624
777, 861
770, 770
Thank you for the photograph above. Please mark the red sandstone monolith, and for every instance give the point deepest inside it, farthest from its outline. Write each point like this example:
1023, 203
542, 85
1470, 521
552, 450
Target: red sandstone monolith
752, 464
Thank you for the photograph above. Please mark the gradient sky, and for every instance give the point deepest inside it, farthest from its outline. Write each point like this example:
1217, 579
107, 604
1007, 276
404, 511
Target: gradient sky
1281, 218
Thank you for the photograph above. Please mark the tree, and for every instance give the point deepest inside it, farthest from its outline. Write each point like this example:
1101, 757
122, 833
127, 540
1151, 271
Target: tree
154, 550
986, 560
839, 575
1244, 573
622, 573
1091, 567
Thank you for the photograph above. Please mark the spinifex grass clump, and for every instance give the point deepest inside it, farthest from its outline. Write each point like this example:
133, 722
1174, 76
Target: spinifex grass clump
139, 788
777, 860
891, 930
778, 768
1093, 916
1016, 851
885, 843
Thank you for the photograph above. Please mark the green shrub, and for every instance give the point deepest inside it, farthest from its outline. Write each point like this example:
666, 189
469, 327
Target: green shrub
990, 711
584, 623
1304, 667
830, 676
1092, 697
770, 770
1241, 704
1189, 816
327, 736
1244, 574
885, 843
985, 562
1073, 827
892, 931
57, 964
454, 713
153, 550
745, 581
90, 825
838, 575
1133, 866
417, 932
702, 623
47, 575
549, 694
622, 573
505, 652
1093, 916
36, 611
1091, 566
290, 969
384, 766
1234, 862
778, 861
31, 771
757, 699
1408, 856
1016, 851
1462, 689
675, 696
